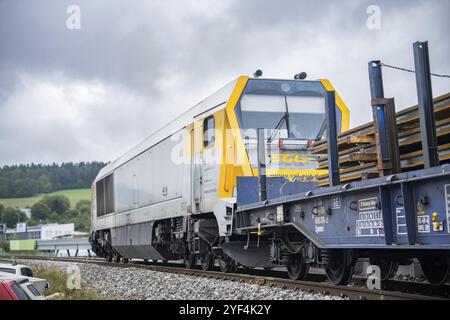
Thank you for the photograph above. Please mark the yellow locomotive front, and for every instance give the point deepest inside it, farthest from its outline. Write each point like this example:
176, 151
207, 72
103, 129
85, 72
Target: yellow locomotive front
293, 114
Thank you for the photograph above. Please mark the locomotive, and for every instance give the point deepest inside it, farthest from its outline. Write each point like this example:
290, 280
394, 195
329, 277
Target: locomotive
172, 196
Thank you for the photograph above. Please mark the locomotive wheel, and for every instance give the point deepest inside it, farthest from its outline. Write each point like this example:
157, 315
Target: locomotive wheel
227, 264
435, 268
388, 267
207, 261
339, 269
297, 268
116, 257
125, 260
190, 260
109, 257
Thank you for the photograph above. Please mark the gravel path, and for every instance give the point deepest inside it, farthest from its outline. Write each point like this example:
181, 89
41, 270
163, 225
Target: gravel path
141, 284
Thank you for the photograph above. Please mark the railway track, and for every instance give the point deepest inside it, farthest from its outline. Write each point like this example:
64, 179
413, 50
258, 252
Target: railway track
392, 290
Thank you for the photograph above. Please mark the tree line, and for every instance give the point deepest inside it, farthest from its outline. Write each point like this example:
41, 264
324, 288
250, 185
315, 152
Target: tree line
26, 180
50, 209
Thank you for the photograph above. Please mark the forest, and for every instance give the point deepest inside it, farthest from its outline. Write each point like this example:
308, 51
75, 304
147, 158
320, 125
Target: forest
26, 180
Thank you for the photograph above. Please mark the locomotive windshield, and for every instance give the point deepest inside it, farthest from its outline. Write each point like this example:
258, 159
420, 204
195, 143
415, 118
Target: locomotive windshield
289, 110
294, 117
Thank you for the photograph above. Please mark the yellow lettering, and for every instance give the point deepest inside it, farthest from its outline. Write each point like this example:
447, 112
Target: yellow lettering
276, 158
288, 158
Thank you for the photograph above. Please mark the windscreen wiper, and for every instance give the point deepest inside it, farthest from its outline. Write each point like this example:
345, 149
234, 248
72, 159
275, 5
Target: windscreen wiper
321, 131
284, 118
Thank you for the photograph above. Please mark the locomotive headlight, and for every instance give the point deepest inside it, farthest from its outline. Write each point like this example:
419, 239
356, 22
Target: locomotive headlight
280, 214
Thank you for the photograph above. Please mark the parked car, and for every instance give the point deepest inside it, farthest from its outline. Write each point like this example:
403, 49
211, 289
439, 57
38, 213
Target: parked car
10, 290
17, 270
38, 283
18, 288
14, 268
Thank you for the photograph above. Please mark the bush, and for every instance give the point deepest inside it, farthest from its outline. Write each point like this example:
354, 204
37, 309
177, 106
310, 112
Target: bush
4, 245
84, 206
32, 222
40, 211
72, 213
57, 203
11, 216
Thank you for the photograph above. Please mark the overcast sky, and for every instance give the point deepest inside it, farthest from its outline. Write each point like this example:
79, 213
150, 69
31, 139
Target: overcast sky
93, 93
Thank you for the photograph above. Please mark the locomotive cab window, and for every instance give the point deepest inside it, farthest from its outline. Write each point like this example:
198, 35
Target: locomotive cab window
105, 195
208, 132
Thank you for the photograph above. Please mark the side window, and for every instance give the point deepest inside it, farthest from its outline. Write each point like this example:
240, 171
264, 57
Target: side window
20, 293
33, 290
100, 188
27, 272
8, 270
208, 132
105, 195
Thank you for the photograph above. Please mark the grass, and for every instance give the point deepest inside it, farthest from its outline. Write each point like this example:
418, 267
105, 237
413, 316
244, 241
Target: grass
74, 196
57, 279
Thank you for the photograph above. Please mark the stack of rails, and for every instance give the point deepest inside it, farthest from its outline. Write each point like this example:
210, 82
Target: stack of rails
357, 147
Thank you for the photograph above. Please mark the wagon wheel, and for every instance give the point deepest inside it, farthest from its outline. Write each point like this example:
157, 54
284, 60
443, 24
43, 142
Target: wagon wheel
207, 261
297, 268
227, 264
435, 268
339, 269
190, 260
388, 267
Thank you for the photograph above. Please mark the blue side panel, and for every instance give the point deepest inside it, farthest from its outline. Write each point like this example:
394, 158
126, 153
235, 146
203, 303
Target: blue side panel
395, 212
248, 188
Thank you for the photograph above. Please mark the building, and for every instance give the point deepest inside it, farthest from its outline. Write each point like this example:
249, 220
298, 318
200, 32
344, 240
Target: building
39, 232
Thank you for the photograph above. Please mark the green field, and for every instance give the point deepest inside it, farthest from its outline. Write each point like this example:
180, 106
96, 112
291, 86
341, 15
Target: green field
74, 195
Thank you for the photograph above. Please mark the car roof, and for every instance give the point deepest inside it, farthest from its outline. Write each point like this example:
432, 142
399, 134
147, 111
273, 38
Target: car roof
7, 281
13, 266
18, 279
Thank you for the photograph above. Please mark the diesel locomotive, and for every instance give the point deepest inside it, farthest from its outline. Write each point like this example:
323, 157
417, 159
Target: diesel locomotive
175, 196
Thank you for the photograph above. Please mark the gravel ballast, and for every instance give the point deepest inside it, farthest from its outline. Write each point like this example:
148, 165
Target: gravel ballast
140, 284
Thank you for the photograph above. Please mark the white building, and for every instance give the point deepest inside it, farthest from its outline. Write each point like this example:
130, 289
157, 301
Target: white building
40, 232
51, 231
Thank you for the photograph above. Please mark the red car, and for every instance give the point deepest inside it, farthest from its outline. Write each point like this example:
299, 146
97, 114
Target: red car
10, 290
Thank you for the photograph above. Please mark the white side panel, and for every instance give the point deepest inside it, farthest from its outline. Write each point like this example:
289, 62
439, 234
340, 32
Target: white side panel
163, 210
153, 177
210, 172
